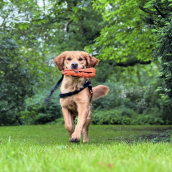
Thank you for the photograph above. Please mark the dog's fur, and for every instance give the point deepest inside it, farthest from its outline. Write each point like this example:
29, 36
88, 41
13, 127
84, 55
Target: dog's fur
78, 104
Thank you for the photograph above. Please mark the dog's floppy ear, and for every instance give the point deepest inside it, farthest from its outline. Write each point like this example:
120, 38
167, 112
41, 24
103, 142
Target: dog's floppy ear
91, 61
59, 61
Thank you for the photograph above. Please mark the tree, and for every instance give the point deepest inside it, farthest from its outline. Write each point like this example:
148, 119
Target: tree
31, 36
125, 36
160, 14
59, 26
16, 83
50, 29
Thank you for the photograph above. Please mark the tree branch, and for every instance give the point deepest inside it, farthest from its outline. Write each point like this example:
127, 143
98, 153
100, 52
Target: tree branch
133, 63
146, 10
4, 111
4, 61
150, 12
163, 16
67, 27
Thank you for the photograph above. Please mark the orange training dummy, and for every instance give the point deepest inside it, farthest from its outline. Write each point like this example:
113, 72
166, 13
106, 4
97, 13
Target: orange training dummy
86, 73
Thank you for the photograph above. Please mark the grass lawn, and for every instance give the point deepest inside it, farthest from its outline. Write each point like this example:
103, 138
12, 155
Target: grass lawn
45, 148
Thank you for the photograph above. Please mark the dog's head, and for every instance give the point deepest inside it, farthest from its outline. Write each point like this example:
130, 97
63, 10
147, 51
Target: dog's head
75, 60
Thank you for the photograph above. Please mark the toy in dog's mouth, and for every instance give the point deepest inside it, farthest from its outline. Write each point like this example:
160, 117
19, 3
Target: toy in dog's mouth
86, 73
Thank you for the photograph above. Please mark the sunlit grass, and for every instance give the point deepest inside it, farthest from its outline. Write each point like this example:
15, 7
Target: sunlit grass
46, 148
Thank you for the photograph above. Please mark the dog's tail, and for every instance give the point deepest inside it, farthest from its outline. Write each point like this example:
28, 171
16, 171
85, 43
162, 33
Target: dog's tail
100, 91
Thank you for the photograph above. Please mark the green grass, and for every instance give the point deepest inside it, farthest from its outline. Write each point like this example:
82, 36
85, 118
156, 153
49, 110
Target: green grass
111, 148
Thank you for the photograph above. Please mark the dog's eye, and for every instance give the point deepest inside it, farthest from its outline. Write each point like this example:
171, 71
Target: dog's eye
69, 58
80, 59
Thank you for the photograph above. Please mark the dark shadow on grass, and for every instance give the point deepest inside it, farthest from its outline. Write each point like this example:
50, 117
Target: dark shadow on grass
133, 134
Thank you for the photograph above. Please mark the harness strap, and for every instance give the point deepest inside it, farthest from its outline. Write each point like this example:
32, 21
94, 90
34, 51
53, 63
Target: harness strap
54, 89
90, 90
87, 84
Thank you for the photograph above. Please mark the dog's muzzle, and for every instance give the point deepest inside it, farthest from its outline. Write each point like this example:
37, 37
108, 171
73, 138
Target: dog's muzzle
74, 65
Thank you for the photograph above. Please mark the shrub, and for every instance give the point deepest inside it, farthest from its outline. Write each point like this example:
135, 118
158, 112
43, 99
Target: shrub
37, 112
16, 81
124, 116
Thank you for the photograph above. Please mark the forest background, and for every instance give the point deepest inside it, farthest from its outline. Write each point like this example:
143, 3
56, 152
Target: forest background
131, 38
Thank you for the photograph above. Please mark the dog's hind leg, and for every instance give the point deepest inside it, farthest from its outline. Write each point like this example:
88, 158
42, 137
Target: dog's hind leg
85, 129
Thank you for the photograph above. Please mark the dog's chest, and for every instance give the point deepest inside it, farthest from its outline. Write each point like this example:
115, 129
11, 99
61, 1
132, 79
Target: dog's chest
70, 84
69, 103
72, 106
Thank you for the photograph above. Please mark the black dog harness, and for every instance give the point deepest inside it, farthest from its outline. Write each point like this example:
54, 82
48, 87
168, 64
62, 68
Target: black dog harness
87, 84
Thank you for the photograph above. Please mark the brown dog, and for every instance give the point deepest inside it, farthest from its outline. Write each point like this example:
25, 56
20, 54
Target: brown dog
78, 104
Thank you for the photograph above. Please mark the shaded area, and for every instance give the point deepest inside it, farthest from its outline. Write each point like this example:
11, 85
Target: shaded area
98, 134
131, 134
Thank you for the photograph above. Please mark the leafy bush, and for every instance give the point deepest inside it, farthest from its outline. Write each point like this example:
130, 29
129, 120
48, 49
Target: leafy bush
143, 100
114, 116
16, 81
37, 112
60, 121
124, 116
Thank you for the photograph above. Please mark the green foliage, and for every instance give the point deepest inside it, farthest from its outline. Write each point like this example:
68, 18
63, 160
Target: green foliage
16, 83
122, 33
112, 117
28, 43
125, 36
139, 97
60, 121
125, 116
37, 112
36, 33
58, 26
160, 15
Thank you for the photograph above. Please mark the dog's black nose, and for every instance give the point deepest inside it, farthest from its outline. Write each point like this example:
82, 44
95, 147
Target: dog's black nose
74, 65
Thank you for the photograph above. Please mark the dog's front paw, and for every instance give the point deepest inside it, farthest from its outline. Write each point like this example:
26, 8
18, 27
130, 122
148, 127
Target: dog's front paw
74, 138
85, 140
